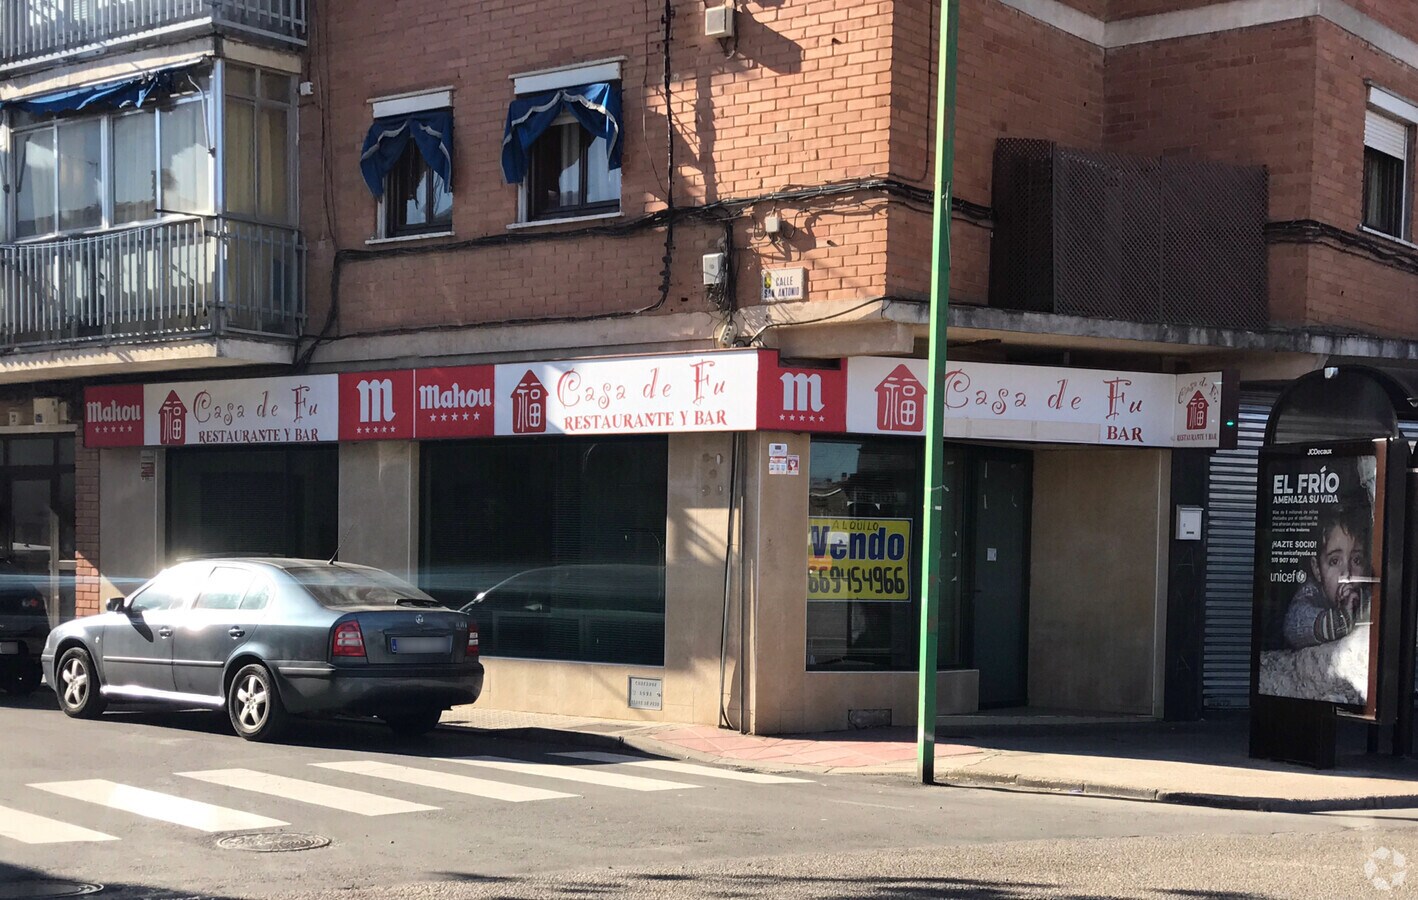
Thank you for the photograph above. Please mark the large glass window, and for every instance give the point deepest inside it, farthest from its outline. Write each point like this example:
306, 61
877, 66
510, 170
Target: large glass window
135, 181
558, 545
865, 496
36, 184
80, 174
84, 172
185, 162
258, 127
259, 501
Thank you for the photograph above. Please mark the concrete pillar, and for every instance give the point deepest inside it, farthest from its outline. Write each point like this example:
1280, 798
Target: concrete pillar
379, 506
132, 518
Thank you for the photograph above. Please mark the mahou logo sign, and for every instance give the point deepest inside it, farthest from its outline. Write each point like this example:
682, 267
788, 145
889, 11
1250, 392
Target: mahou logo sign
376, 406
794, 398
113, 416
455, 402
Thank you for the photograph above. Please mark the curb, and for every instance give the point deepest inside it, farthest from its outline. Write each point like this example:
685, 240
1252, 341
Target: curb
1034, 785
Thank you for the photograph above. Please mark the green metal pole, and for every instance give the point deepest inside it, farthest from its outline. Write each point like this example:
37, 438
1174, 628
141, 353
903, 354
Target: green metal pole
937, 567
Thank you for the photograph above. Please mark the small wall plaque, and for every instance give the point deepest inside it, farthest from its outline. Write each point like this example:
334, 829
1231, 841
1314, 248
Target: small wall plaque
646, 693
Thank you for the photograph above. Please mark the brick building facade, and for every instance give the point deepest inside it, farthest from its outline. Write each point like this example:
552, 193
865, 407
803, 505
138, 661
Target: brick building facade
817, 116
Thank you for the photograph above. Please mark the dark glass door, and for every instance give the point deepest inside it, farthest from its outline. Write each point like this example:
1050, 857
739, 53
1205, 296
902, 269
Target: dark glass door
37, 515
998, 545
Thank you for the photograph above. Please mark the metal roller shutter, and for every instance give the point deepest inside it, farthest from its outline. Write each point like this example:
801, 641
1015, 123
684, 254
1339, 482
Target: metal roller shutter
1230, 561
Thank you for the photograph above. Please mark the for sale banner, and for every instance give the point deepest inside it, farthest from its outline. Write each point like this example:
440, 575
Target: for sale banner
1319, 552
858, 559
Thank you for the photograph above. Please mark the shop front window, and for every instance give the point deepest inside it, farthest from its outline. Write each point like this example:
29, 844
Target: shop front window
253, 501
864, 546
556, 548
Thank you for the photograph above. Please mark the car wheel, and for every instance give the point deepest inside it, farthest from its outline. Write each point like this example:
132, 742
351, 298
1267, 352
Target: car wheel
414, 723
78, 688
254, 706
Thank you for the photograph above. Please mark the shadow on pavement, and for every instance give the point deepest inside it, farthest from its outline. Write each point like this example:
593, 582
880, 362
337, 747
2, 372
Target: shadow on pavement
843, 887
21, 881
1223, 741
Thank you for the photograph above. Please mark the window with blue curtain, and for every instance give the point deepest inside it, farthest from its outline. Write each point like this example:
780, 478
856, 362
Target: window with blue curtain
564, 147
407, 161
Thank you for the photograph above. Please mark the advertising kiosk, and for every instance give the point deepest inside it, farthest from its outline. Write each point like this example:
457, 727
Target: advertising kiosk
1333, 612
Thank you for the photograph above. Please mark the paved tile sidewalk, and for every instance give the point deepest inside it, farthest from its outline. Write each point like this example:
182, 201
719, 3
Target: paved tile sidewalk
1197, 763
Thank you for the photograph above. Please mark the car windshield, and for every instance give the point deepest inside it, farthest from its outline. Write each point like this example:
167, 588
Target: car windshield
338, 587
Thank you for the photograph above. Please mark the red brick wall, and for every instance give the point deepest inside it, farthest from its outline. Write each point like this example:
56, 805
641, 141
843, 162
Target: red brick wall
1244, 97
799, 101
1057, 95
86, 600
1292, 97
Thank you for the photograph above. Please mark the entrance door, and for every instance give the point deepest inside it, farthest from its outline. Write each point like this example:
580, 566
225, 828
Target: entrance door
37, 516
999, 542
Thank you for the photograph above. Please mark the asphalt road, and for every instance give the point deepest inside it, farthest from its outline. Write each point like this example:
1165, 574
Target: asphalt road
138, 801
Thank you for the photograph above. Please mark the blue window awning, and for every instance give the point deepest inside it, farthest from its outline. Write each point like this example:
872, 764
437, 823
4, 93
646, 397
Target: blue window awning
388, 138
129, 93
595, 106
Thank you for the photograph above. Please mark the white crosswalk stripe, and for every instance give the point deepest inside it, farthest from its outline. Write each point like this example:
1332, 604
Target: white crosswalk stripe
358, 802
684, 768
31, 829
458, 784
155, 805
582, 774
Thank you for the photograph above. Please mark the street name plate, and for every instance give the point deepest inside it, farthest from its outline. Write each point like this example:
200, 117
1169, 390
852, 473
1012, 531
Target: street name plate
646, 693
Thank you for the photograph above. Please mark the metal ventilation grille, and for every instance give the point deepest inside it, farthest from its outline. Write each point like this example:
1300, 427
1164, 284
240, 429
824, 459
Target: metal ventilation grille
1140, 239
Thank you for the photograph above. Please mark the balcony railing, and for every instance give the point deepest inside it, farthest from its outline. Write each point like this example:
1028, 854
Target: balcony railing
35, 29
189, 277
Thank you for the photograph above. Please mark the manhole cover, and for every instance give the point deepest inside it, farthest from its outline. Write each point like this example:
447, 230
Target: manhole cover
273, 842
33, 890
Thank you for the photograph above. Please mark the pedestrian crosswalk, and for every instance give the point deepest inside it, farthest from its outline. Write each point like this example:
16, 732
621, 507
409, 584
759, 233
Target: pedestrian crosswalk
411, 786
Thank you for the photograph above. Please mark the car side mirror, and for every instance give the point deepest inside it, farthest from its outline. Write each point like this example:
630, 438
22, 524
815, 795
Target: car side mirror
115, 604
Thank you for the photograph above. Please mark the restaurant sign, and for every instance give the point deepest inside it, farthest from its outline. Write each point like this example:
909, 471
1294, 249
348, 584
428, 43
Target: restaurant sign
735, 390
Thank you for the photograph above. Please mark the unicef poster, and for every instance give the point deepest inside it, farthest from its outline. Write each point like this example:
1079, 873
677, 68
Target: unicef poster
1320, 550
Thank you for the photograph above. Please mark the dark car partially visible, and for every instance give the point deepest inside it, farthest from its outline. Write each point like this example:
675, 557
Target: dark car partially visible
24, 626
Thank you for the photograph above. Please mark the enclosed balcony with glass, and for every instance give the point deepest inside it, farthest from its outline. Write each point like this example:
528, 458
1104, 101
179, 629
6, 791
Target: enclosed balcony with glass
156, 208
46, 32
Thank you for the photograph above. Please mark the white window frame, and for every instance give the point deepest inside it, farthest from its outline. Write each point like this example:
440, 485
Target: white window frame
106, 119
401, 105
259, 103
549, 80
1395, 109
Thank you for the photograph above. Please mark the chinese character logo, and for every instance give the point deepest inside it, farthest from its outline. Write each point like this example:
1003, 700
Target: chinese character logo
173, 417
899, 400
1197, 408
529, 406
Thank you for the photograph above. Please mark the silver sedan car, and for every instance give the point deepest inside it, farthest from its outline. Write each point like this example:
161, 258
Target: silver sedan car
266, 639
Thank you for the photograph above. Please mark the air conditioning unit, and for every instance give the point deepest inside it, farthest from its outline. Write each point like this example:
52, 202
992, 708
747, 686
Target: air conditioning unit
48, 411
719, 21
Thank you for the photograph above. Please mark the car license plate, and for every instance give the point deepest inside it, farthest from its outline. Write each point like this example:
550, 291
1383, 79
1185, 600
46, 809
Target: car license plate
419, 645
9, 648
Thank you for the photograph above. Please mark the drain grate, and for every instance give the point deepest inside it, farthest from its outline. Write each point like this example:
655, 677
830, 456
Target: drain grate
38, 890
273, 842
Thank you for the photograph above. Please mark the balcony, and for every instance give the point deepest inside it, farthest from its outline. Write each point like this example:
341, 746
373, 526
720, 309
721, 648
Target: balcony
33, 31
1170, 241
199, 278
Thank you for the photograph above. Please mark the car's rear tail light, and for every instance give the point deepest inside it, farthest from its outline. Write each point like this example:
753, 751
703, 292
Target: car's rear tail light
472, 638
31, 603
348, 640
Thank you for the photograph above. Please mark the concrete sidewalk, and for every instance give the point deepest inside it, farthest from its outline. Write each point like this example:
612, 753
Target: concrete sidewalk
1201, 764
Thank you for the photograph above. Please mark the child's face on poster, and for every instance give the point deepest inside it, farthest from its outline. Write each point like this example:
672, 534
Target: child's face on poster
1341, 558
